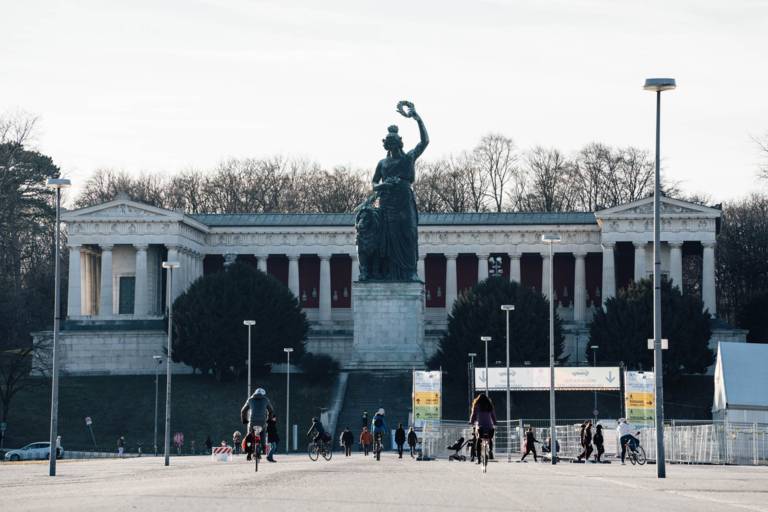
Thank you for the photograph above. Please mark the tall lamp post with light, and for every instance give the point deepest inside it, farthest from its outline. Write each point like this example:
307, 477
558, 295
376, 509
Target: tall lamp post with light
486, 339
594, 365
287, 351
507, 308
58, 184
249, 324
552, 238
472, 356
158, 361
169, 266
658, 85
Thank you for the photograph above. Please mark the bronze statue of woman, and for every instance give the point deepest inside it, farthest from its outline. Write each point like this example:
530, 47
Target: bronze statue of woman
397, 205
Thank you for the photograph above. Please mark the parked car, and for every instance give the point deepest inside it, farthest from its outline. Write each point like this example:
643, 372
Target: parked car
33, 451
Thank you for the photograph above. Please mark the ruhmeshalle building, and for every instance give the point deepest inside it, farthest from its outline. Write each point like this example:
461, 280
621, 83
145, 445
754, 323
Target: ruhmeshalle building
116, 287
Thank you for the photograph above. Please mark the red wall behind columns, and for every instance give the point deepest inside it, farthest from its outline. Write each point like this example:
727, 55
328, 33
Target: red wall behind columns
504, 265
341, 281
277, 267
466, 272
625, 264
434, 277
309, 280
212, 263
530, 271
564, 277
593, 269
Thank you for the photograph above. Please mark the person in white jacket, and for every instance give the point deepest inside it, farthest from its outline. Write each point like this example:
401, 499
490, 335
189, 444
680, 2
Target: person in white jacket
626, 436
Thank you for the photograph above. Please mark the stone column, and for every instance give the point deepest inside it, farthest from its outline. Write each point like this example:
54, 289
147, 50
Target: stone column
261, 262
74, 284
579, 288
450, 280
639, 260
105, 305
293, 275
173, 255
514, 267
140, 305
324, 299
708, 278
545, 274
420, 268
676, 264
482, 267
85, 268
355, 268
609, 273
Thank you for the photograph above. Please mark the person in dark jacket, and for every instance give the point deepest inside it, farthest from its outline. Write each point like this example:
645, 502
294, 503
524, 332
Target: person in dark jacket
586, 441
484, 418
412, 440
208, 444
598, 441
347, 440
273, 438
255, 412
400, 440
530, 445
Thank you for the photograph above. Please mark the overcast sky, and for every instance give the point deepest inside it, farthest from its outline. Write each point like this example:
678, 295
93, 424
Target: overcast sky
159, 86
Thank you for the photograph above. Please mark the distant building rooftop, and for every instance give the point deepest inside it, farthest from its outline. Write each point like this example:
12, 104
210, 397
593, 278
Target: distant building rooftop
425, 219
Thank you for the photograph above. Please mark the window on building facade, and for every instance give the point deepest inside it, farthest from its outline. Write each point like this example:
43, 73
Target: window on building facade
127, 294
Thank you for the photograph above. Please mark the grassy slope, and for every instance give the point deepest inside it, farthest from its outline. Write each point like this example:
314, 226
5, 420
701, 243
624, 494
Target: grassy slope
125, 406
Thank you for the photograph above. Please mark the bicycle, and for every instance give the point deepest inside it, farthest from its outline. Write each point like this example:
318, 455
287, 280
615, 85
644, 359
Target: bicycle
256, 455
485, 448
377, 445
635, 454
317, 448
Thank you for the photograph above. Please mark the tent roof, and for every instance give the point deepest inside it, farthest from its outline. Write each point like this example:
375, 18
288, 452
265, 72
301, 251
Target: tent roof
743, 372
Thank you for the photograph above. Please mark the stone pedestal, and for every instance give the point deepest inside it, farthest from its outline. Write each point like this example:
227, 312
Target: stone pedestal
388, 325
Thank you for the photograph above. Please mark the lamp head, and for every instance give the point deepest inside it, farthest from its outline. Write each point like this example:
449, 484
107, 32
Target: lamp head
288, 350
472, 354
485, 338
550, 238
58, 183
249, 322
659, 84
171, 264
594, 347
508, 307
157, 358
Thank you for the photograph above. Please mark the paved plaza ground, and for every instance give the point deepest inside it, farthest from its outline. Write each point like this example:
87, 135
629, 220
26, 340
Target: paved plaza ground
360, 484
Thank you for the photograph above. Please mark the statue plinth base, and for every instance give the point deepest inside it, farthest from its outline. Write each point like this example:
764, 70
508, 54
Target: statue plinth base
389, 325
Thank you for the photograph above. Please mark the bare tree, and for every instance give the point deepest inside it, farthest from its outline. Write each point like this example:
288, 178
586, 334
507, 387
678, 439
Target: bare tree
17, 127
762, 145
549, 182
496, 158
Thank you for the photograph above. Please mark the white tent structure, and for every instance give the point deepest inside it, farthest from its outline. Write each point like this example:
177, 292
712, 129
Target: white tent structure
741, 383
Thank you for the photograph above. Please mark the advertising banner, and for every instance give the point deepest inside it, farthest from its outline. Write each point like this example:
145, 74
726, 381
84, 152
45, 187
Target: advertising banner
427, 391
578, 378
639, 398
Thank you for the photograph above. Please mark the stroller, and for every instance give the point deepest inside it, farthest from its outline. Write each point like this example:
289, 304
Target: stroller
459, 445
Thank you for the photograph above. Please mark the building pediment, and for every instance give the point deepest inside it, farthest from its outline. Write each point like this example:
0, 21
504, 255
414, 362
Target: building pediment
122, 209
643, 208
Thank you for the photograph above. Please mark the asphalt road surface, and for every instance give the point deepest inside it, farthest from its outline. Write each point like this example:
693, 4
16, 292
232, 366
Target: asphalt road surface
360, 484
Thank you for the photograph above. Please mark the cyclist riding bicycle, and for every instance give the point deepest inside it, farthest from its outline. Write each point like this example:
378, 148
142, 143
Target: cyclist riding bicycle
484, 419
319, 430
379, 425
255, 412
626, 437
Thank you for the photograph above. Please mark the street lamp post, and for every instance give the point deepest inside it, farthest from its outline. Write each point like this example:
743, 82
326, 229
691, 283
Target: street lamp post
551, 238
658, 85
486, 339
287, 351
249, 324
169, 266
472, 356
507, 308
58, 184
594, 365
159, 361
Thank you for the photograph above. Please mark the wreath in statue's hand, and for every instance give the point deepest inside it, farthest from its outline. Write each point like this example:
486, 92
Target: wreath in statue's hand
406, 108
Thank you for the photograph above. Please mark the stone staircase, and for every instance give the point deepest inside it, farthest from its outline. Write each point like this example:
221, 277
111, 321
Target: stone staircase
369, 390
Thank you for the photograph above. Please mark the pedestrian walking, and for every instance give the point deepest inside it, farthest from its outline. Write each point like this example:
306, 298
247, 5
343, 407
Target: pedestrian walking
237, 438
598, 441
208, 445
530, 445
412, 440
120, 446
400, 440
365, 421
273, 438
347, 440
192, 447
366, 440
586, 441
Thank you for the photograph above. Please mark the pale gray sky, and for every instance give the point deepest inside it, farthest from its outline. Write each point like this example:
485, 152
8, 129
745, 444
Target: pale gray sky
157, 86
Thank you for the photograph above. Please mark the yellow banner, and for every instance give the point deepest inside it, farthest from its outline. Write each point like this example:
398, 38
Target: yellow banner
640, 401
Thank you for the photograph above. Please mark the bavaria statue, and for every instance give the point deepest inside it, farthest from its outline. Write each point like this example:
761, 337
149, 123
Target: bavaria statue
386, 223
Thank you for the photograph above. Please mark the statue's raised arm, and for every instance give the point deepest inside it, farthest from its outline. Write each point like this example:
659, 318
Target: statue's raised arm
407, 109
